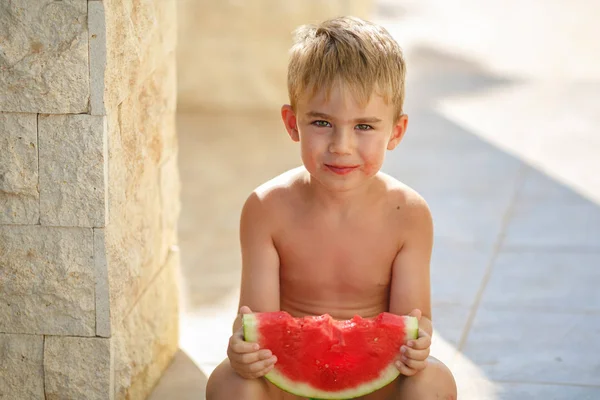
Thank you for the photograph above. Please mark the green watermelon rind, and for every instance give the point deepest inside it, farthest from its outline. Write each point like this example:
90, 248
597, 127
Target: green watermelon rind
387, 376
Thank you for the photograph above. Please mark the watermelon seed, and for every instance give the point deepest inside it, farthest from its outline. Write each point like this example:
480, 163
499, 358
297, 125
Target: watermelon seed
376, 339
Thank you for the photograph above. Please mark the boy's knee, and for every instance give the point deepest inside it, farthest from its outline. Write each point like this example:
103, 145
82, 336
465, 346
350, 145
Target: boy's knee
225, 384
434, 382
444, 377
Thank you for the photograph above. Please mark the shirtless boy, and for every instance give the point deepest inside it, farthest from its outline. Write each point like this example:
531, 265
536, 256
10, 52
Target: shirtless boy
336, 235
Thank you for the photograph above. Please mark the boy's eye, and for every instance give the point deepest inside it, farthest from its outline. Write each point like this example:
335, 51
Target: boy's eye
364, 127
323, 124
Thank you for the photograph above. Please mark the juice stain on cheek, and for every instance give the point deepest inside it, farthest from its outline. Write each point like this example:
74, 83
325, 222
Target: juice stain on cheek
370, 168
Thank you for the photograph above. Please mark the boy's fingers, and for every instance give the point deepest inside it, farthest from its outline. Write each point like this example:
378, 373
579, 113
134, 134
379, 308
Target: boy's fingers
415, 354
244, 347
249, 358
414, 364
246, 358
260, 374
261, 365
238, 335
423, 342
423, 335
238, 345
266, 370
404, 369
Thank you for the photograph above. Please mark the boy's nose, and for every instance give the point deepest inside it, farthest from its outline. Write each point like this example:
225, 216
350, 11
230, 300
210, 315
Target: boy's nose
341, 142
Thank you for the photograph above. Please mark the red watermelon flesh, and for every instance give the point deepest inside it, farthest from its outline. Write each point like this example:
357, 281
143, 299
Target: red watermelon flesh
319, 357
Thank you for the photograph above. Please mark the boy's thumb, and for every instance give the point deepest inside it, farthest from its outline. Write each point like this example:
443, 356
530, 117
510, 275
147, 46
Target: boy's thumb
416, 313
245, 310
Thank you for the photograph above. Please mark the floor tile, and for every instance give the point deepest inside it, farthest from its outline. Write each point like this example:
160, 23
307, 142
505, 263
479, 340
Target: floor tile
471, 381
552, 214
205, 333
467, 220
482, 389
550, 222
545, 281
182, 380
208, 368
449, 321
539, 186
510, 391
535, 347
457, 272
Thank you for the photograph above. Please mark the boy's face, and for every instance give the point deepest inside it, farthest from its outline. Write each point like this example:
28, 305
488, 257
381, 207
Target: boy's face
343, 143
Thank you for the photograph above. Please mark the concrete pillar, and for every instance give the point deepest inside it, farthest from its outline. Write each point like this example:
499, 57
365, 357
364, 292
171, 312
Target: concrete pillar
89, 198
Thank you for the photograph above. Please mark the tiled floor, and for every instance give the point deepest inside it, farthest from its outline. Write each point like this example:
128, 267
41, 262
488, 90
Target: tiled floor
507, 170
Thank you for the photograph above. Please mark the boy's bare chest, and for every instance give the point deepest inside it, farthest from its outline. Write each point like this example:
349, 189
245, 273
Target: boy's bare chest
349, 257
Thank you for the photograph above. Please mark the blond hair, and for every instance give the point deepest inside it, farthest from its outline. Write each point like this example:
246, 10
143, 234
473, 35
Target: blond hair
356, 52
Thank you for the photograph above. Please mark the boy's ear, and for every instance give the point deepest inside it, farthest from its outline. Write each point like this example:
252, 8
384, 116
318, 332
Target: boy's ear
398, 131
289, 120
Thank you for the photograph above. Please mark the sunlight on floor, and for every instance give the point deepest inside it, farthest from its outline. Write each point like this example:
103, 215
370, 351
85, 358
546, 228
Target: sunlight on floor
545, 126
205, 332
471, 381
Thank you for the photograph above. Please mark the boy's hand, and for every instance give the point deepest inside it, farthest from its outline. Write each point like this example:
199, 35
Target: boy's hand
413, 355
246, 358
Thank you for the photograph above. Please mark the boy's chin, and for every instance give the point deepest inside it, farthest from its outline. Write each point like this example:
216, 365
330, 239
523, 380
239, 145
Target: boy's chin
345, 183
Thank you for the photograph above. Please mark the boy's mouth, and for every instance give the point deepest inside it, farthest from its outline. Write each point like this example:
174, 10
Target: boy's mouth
341, 169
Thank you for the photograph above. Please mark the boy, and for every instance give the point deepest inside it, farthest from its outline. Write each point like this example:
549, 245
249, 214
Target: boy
337, 235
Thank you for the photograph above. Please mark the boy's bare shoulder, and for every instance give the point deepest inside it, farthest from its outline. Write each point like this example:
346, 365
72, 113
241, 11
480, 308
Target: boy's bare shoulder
406, 201
282, 189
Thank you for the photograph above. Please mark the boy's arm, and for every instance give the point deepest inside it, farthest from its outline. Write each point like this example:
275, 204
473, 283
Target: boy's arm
260, 261
410, 287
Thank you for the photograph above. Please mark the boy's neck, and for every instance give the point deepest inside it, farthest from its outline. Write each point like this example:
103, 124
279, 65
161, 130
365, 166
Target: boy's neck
342, 203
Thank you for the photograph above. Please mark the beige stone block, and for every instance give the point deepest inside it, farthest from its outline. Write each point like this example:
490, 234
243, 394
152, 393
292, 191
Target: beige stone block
73, 171
44, 57
78, 368
47, 281
139, 35
148, 337
97, 40
102, 289
19, 196
249, 44
21, 367
142, 138
134, 236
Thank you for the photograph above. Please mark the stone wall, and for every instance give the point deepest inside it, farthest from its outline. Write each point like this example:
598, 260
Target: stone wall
89, 198
233, 54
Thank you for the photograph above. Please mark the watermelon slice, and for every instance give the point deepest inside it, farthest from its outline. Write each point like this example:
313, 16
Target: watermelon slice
322, 358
